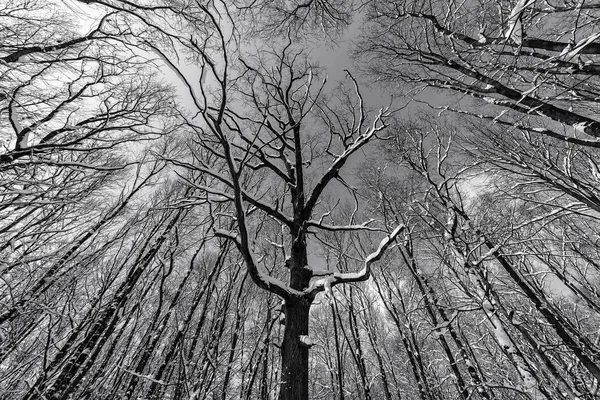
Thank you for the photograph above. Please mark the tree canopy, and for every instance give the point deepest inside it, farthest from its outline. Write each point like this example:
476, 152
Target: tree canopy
190, 208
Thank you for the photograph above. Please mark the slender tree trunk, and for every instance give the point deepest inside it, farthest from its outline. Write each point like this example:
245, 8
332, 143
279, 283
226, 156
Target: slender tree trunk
48, 277
555, 319
434, 309
560, 273
360, 360
410, 345
212, 349
559, 382
254, 368
264, 381
96, 380
234, 340
338, 352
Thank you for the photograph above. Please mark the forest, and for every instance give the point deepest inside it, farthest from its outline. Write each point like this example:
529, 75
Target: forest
192, 207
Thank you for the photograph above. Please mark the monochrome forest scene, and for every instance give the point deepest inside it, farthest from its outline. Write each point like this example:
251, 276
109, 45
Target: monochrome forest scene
300, 199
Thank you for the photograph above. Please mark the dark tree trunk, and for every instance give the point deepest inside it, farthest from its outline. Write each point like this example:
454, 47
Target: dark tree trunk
234, 340
338, 352
294, 354
264, 381
356, 342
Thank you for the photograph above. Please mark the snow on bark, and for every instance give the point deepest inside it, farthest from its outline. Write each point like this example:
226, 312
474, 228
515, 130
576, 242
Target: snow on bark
259, 275
383, 245
169, 64
529, 382
307, 341
515, 27
569, 52
356, 227
22, 138
146, 377
581, 126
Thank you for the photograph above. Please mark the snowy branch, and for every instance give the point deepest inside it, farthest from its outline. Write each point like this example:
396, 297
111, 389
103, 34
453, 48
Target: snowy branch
336, 278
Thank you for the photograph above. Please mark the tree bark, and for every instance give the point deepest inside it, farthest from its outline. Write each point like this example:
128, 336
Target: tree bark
338, 352
294, 353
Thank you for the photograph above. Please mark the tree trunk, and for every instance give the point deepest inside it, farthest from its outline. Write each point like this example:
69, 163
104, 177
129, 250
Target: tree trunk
338, 352
294, 353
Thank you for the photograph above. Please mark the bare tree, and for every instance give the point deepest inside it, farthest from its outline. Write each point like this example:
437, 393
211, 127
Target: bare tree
266, 157
71, 104
106, 97
527, 63
150, 294
66, 92
306, 20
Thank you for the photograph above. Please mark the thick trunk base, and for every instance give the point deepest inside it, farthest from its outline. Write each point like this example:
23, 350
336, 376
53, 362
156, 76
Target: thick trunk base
294, 354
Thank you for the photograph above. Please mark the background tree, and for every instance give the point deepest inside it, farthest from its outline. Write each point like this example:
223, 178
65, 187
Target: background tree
481, 258
531, 63
516, 74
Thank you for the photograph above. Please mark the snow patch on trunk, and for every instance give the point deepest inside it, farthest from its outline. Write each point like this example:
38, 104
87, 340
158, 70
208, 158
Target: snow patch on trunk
307, 341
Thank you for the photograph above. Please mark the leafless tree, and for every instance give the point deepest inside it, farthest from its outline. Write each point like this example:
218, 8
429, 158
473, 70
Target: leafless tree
262, 157
256, 137
305, 20
192, 266
488, 250
530, 64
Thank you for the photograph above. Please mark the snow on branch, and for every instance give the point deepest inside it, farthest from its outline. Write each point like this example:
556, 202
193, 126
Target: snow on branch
569, 52
515, 26
335, 278
147, 377
354, 227
257, 273
307, 341
378, 125
178, 74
